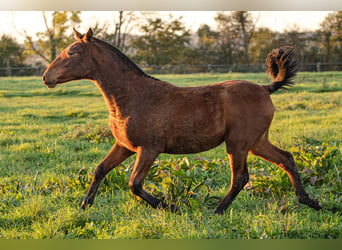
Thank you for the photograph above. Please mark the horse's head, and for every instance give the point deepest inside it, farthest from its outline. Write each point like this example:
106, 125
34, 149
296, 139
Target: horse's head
72, 64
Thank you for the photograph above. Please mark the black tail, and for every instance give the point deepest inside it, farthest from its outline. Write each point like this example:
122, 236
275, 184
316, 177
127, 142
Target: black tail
282, 66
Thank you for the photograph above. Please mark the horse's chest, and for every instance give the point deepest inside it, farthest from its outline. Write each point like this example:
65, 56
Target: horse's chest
119, 131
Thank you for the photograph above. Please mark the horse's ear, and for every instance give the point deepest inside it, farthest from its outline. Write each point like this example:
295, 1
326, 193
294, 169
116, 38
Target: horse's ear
88, 35
78, 35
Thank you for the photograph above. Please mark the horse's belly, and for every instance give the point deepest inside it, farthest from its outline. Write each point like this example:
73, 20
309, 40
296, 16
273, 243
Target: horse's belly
196, 129
185, 146
193, 141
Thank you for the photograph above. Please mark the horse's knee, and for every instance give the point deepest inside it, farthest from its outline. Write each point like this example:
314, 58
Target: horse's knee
242, 179
135, 187
99, 174
245, 178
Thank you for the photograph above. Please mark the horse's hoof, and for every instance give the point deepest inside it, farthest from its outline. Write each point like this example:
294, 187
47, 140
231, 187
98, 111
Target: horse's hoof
174, 208
85, 205
218, 212
313, 203
316, 204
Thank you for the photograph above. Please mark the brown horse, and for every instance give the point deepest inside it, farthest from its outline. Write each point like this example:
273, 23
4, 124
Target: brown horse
149, 116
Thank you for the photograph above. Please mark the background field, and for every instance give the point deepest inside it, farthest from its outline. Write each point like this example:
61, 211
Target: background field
52, 140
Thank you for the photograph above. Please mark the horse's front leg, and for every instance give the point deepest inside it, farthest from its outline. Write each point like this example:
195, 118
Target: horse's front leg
143, 163
117, 155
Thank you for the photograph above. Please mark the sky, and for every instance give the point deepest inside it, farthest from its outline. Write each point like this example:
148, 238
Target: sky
32, 21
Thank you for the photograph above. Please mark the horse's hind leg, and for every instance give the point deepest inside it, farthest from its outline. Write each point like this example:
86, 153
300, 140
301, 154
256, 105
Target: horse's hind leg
240, 177
264, 149
117, 155
143, 163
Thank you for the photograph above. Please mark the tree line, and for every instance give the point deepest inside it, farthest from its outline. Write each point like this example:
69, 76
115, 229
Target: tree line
167, 41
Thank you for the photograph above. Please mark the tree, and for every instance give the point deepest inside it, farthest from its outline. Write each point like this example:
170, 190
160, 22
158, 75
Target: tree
124, 22
238, 26
11, 54
123, 25
55, 38
262, 42
227, 40
331, 36
162, 42
207, 47
245, 26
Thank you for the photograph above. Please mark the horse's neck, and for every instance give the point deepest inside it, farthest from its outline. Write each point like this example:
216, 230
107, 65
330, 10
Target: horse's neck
119, 82
119, 91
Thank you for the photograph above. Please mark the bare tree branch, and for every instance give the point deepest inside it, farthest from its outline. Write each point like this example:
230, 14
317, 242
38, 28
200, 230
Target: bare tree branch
34, 48
45, 22
253, 27
28, 38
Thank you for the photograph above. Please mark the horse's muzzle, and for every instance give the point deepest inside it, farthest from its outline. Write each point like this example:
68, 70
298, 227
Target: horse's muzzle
50, 84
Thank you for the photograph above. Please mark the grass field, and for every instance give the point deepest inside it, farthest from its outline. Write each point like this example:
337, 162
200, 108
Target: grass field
52, 140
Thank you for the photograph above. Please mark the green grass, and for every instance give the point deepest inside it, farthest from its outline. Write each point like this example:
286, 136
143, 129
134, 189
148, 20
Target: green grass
48, 136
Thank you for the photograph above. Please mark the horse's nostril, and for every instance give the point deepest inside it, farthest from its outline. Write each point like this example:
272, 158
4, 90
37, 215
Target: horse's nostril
44, 77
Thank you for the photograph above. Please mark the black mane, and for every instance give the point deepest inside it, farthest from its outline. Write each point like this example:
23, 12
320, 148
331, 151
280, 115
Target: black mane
126, 60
